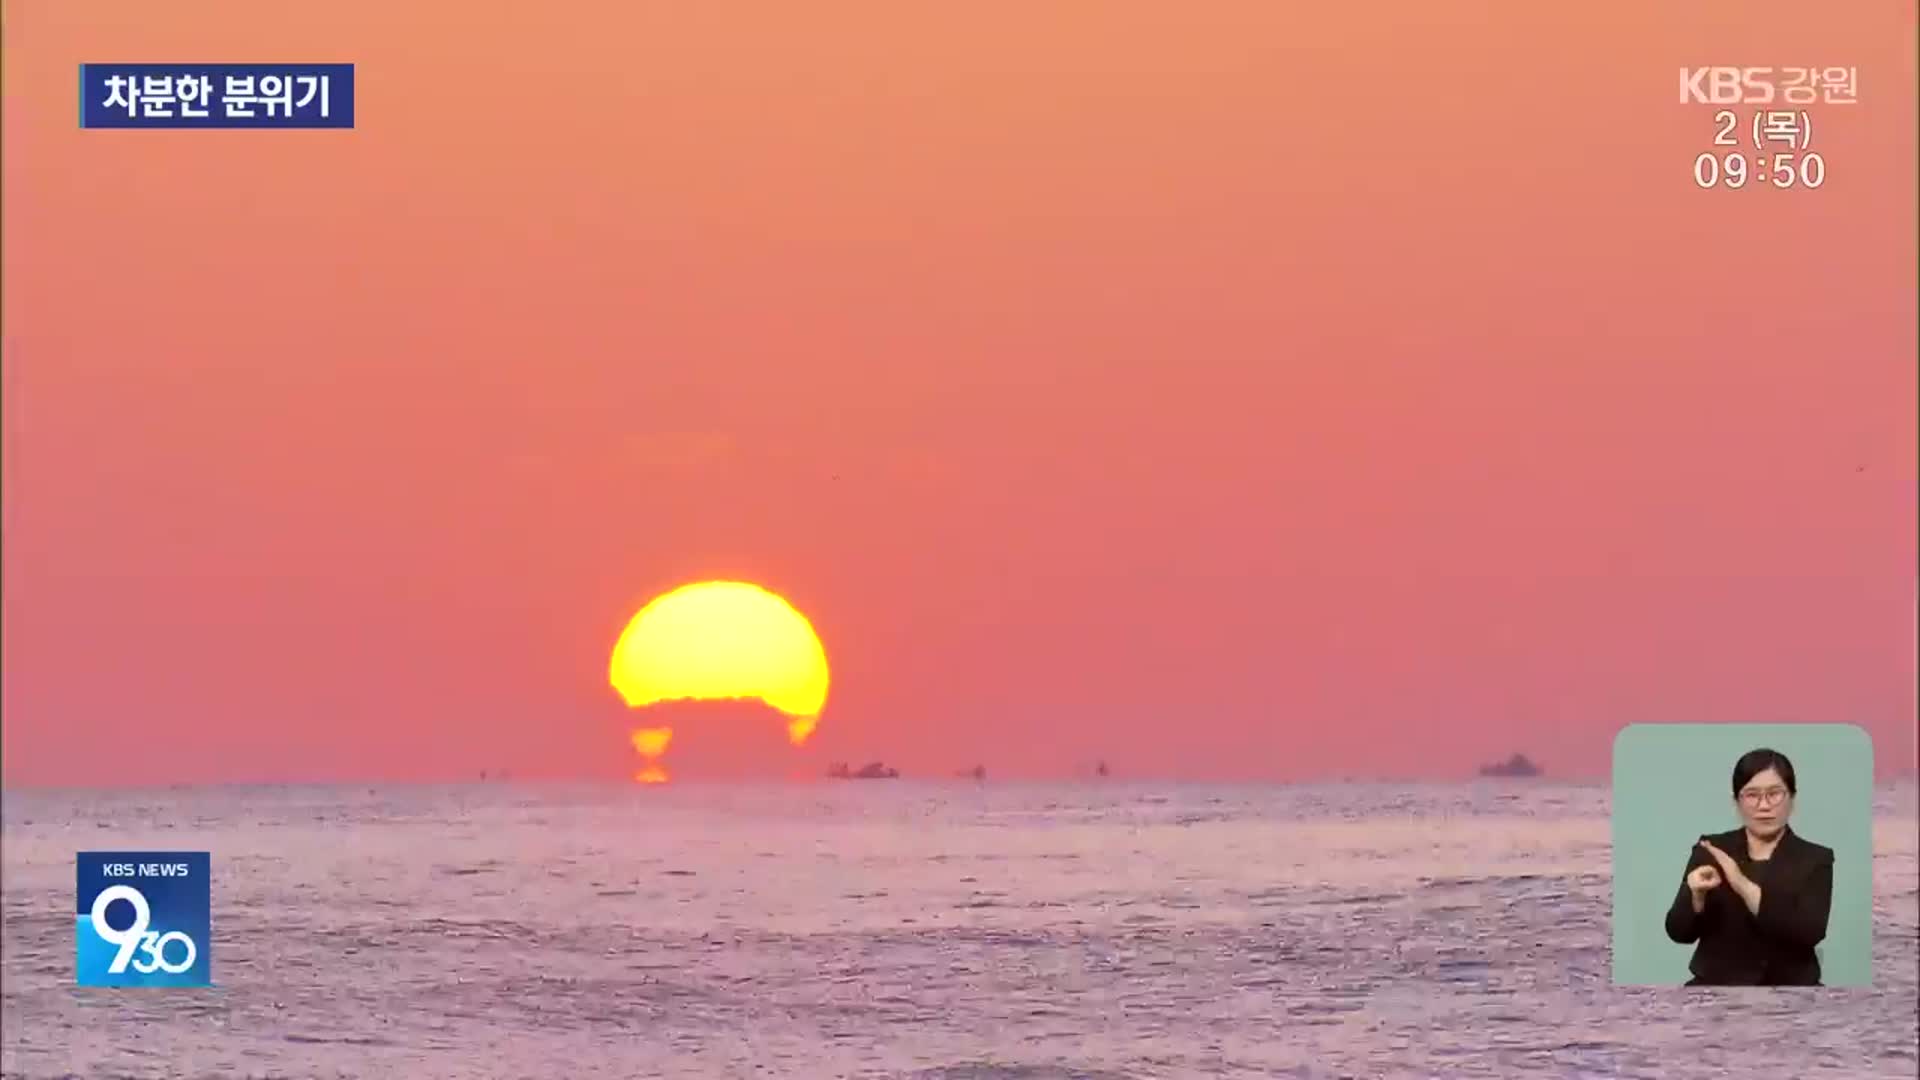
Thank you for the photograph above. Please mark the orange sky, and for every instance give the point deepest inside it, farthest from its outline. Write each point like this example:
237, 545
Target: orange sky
1237, 389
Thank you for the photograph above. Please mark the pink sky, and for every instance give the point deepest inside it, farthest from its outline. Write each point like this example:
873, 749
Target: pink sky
1242, 391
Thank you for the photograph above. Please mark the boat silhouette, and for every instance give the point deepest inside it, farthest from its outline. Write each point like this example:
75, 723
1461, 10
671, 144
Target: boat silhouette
1517, 765
872, 770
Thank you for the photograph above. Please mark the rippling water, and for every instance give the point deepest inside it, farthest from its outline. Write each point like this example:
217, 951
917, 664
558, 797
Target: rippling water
898, 929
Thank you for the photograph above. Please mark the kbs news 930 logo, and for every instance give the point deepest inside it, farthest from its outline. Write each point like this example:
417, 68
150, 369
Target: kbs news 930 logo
142, 918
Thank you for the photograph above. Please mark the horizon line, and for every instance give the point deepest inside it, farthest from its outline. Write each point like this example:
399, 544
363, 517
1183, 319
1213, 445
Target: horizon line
906, 780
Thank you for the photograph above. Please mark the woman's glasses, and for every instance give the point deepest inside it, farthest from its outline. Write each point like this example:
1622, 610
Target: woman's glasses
1763, 796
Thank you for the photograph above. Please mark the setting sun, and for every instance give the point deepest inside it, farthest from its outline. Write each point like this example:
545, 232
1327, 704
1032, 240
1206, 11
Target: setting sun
715, 641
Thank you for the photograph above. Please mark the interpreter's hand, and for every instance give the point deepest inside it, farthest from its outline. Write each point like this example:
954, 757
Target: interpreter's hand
1703, 879
1728, 868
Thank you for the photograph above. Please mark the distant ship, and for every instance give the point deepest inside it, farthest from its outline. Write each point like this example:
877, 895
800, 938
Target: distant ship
978, 772
1100, 769
1517, 765
872, 770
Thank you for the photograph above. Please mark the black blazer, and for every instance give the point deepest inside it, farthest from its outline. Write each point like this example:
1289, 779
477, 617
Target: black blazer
1775, 947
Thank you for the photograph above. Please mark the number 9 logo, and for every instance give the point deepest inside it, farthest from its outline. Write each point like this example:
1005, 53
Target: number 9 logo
137, 936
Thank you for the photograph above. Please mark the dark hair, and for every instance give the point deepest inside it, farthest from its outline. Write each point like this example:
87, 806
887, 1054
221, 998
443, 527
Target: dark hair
1755, 762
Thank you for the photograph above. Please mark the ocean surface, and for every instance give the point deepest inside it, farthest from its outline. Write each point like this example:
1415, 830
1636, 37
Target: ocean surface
939, 931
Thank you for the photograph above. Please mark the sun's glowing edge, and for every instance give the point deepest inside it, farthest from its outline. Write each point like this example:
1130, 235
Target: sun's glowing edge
812, 716
651, 742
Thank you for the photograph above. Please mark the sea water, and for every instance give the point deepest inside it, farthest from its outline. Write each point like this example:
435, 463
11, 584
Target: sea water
904, 929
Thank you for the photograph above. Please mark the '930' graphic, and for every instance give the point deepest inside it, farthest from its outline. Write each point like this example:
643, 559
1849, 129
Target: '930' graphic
142, 918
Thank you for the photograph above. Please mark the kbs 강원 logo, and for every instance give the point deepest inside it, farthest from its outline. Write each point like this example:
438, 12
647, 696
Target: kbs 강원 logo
142, 918
1766, 85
